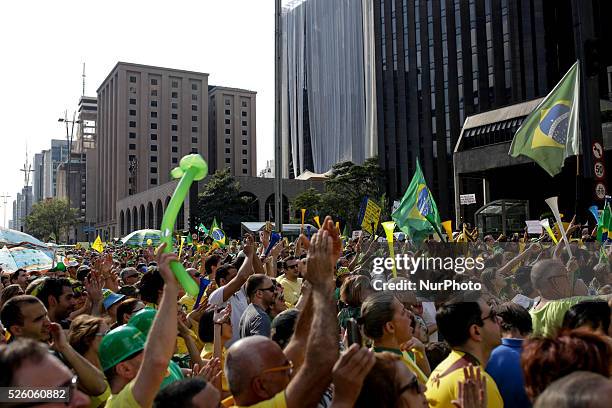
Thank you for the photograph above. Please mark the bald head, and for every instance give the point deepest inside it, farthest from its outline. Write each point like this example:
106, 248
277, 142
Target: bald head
248, 358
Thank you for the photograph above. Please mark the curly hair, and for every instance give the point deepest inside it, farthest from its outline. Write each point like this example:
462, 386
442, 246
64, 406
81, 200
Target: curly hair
545, 360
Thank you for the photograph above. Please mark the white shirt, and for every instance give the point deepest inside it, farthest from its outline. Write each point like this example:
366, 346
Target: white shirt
239, 304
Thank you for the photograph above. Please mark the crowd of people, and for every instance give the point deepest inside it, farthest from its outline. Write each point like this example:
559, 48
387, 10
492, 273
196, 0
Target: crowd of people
300, 324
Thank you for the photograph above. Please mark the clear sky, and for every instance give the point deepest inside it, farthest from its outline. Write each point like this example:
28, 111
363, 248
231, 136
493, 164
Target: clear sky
44, 44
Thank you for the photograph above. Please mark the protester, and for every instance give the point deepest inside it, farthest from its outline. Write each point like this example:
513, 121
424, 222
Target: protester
9, 292
256, 367
126, 309
504, 365
550, 278
353, 292
129, 276
135, 369
470, 327
290, 280
390, 326
188, 393
592, 315
25, 316
255, 320
546, 359
19, 277
580, 389
58, 297
28, 364
230, 290
85, 334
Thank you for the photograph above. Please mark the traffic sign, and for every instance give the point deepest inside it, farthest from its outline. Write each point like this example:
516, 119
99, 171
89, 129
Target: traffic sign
600, 170
600, 191
597, 150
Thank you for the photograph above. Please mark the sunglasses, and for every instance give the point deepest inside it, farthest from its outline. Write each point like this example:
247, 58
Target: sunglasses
270, 289
287, 367
492, 315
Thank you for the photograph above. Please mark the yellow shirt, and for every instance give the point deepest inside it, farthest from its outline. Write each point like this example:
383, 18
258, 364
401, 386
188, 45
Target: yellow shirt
207, 354
278, 401
125, 398
99, 400
442, 386
408, 361
291, 290
181, 347
548, 319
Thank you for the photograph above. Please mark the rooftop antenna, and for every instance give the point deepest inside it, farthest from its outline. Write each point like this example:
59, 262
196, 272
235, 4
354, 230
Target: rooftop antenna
83, 93
27, 169
5, 198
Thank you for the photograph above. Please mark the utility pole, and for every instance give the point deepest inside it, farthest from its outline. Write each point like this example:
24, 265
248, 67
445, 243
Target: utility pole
278, 140
5, 198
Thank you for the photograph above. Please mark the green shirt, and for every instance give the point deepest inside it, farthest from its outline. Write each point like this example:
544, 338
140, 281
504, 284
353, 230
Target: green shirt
548, 319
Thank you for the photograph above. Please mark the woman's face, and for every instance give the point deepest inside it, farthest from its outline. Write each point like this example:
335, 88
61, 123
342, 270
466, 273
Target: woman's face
412, 392
402, 321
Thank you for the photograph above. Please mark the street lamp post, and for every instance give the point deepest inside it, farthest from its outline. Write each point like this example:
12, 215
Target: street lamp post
69, 137
278, 152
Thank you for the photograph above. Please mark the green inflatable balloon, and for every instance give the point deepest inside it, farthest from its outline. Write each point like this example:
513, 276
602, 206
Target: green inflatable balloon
191, 168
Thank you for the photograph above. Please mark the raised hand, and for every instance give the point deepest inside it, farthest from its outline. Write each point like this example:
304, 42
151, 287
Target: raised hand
334, 234
320, 261
211, 371
472, 392
349, 372
249, 247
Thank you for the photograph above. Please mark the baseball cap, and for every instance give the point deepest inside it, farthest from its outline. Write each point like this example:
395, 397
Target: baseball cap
127, 272
110, 298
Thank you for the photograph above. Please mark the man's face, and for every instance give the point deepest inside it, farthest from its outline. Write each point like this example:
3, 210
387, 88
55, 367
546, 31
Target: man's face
131, 279
491, 332
35, 322
49, 373
277, 380
209, 397
22, 280
291, 270
66, 303
230, 275
267, 292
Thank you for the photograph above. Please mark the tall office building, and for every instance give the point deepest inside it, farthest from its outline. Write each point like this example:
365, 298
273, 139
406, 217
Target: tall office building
232, 130
22, 207
328, 84
46, 163
439, 61
148, 118
37, 179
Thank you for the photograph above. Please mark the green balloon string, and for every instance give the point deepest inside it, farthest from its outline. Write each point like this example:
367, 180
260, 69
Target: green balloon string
191, 168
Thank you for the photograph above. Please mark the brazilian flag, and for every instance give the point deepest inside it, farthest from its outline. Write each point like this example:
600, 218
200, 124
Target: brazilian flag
417, 213
217, 233
605, 225
551, 132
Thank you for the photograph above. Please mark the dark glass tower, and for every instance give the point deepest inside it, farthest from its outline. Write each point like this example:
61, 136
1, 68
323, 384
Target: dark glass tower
439, 61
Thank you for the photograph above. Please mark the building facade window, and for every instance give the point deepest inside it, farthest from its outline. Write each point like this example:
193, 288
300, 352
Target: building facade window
133, 79
132, 146
174, 105
194, 118
194, 140
153, 170
154, 104
153, 159
153, 81
174, 128
175, 116
153, 136
132, 101
174, 149
132, 112
154, 181
194, 107
175, 84
174, 95
132, 124
132, 135
153, 148
153, 125
194, 87
153, 114
174, 138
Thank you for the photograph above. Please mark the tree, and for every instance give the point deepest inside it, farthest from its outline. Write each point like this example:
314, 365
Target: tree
344, 191
51, 217
221, 199
310, 200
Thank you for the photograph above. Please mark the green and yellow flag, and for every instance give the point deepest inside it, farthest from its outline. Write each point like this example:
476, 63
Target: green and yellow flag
217, 233
415, 208
551, 132
604, 227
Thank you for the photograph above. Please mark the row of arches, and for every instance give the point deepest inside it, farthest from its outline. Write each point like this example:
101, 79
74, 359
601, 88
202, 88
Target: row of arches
149, 216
